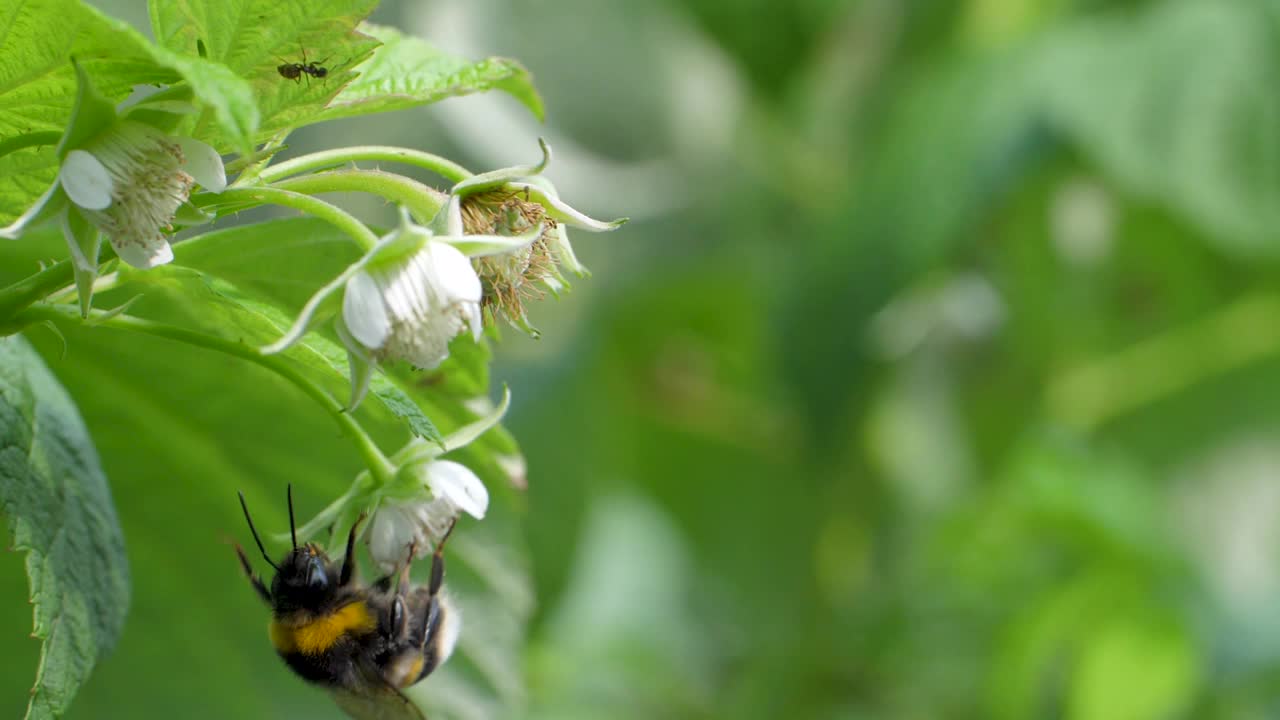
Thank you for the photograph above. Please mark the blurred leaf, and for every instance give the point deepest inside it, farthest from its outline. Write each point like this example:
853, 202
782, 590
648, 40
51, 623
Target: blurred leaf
58, 506
790, 31
1135, 669
1167, 101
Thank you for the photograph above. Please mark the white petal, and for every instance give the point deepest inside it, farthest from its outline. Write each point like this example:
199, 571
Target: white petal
86, 180
389, 537
461, 486
474, 318
144, 255
204, 164
456, 279
363, 311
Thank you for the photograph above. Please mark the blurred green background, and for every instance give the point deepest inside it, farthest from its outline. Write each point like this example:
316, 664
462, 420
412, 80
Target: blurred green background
936, 375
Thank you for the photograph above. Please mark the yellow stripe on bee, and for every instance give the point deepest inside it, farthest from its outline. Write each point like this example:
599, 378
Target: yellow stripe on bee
317, 635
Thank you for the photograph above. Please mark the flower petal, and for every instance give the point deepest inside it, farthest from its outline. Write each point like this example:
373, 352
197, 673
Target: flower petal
459, 485
204, 164
86, 180
454, 275
393, 529
144, 254
363, 311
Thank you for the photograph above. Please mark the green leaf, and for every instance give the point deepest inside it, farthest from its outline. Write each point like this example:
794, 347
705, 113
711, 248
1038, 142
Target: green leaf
58, 506
24, 176
37, 81
283, 261
252, 37
406, 72
227, 96
221, 309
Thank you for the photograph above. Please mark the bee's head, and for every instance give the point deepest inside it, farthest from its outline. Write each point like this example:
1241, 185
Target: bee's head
304, 577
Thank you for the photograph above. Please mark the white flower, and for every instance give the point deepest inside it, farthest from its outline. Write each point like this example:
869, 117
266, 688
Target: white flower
420, 522
423, 500
410, 308
405, 299
130, 180
121, 178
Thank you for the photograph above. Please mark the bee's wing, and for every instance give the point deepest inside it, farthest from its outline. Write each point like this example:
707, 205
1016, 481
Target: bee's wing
380, 702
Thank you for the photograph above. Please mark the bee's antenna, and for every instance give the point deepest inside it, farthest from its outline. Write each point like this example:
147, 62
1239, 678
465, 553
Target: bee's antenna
254, 530
293, 534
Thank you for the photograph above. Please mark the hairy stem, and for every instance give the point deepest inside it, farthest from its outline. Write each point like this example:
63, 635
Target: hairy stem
422, 201
332, 214
373, 458
446, 169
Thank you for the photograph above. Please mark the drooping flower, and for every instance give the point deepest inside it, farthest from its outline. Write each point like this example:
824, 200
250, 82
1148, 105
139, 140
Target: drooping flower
121, 178
409, 307
405, 299
421, 503
511, 201
419, 523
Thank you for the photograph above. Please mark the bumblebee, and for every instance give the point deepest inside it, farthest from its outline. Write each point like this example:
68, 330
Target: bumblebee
364, 644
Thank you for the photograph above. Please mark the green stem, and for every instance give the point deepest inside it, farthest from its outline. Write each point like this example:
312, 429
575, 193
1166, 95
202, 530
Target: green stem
34, 288
377, 463
447, 169
331, 214
421, 200
1151, 370
35, 139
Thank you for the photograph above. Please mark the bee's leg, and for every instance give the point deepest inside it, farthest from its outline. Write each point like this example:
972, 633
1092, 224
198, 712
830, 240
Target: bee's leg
437, 562
400, 574
349, 561
263, 592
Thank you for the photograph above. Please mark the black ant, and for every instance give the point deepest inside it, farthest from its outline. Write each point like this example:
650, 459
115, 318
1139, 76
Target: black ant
295, 71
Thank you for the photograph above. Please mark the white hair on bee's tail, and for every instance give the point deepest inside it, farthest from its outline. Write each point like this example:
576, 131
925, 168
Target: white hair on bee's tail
450, 627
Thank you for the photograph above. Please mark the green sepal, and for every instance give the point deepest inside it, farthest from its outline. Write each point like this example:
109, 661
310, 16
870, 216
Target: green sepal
84, 241
90, 116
